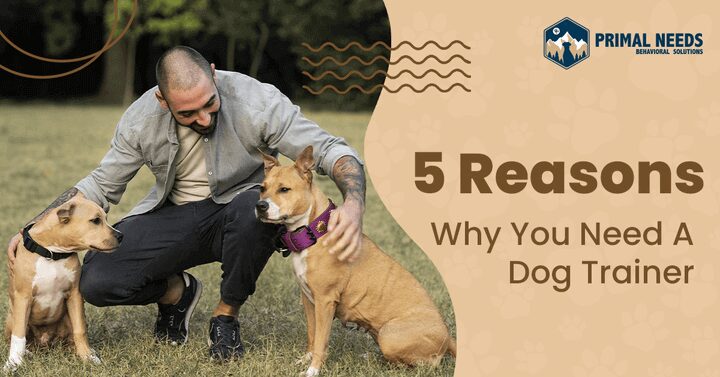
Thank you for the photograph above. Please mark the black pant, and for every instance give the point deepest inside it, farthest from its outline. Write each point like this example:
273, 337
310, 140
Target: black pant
161, 243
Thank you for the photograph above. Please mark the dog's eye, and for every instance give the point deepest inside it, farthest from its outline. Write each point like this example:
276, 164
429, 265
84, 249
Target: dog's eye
96, 221
262, 189
284, 189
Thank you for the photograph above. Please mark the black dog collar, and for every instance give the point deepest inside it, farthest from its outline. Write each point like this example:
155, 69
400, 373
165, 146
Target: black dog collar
33, 246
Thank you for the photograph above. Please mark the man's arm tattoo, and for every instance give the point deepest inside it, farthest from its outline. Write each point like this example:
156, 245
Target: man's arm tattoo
64, 197
350, 178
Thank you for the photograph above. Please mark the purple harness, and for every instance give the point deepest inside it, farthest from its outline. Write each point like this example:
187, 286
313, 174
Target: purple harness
307, 235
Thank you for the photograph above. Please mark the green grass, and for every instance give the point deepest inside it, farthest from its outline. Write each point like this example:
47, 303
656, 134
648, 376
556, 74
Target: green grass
48, 148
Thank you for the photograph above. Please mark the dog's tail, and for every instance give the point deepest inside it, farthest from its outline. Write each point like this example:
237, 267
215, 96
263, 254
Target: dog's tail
452, 348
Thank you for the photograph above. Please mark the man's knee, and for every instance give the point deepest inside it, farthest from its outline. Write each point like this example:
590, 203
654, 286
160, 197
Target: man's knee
240, 217
99, 289
92, 288
242, 206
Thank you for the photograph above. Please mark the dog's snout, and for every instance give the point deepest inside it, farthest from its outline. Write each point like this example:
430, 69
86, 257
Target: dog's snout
262, 206
119, 236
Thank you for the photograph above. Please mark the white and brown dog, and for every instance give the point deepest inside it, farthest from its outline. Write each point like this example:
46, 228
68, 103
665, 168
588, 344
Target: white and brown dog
45, 301
374, 292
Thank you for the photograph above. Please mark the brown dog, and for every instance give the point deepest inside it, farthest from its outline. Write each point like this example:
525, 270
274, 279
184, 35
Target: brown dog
374, 292
45, 302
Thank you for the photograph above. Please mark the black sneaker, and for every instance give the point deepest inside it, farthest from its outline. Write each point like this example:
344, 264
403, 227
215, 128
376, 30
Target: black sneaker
172, 320
224, 342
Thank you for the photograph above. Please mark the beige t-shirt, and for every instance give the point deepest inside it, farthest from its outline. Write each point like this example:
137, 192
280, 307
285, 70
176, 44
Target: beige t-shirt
191, 181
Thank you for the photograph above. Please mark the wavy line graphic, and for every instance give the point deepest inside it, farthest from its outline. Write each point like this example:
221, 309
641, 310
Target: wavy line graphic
381, 72
373, 60
383, 44
376, 87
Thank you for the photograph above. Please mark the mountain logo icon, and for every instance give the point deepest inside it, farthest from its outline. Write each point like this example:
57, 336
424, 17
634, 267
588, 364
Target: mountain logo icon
566, 43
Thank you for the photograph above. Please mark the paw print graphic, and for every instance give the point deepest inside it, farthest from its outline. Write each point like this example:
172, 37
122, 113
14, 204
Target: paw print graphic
710, 373
715, 239
527, 32
642, 329
531, 358
482, 361
428, 133
710, 119
480, 95
534, 76
424, 28
604, 364
587, 295
513, 301
587, 121
462, 267
695, 301
701, 346
517, 134
661, 370
675, 87
707, 201
572, 328
393, 144
481, 44
664, 141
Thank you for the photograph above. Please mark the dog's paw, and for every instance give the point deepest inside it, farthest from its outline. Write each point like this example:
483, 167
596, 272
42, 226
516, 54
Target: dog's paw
91, 357
95, 359
311, 372
17, 351
11, 365
304, 359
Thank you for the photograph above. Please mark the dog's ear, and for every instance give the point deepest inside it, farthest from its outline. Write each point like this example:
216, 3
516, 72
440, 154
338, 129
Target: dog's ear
64, 213
304, 162
270, 161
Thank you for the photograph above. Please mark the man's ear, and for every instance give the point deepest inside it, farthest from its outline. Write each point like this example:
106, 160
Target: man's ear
270, 161
304, 162
64, 213
212, 71
161, 99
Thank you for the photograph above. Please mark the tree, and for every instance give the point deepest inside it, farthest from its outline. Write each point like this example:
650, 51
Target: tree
342, 22
243, 23
168, 20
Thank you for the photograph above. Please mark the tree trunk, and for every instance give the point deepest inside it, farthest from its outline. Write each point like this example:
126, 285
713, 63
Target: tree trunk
111, 89
230, 55
259, 50
129, 92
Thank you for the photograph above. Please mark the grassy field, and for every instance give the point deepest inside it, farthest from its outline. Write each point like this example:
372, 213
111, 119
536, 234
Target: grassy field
47, 149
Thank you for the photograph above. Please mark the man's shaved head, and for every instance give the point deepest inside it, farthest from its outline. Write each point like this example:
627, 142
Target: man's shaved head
180, 68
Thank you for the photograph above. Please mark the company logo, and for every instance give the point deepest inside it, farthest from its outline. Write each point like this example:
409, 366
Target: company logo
566, 43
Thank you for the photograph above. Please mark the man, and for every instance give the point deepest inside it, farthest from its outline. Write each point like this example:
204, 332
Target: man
200, 131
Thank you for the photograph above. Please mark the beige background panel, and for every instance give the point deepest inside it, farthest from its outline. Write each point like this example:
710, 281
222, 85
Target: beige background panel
614, 106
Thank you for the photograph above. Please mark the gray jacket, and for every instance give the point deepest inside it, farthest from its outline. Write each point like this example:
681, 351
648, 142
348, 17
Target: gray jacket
252, 115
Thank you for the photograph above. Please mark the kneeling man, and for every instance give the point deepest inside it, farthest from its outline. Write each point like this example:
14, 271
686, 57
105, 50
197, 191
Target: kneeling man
201, 132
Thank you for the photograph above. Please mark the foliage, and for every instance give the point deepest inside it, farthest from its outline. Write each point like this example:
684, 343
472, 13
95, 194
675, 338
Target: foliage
238, 19
267, 34
168, 20
60, 32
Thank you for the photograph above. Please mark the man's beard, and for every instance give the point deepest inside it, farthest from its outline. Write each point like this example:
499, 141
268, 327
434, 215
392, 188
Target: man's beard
197, 127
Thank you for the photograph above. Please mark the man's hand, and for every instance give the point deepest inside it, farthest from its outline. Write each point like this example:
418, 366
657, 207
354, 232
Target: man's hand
12, 247
345, 230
